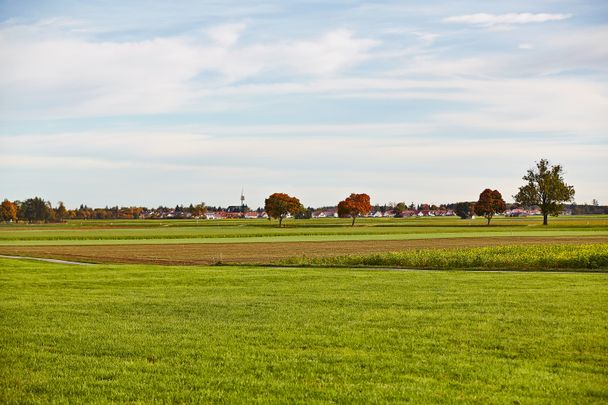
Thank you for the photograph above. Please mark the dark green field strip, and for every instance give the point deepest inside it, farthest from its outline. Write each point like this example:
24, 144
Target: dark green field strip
248, 229
304, 238
574, 220
173, 334
241, 232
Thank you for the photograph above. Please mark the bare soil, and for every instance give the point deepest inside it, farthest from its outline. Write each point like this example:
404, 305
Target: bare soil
264, 253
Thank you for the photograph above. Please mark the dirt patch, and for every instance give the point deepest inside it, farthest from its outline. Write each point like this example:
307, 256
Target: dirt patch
261, 253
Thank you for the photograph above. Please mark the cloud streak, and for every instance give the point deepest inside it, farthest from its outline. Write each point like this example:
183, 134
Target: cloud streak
487, 20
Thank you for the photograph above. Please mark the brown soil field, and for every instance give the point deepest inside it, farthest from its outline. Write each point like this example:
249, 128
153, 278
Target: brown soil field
263, 253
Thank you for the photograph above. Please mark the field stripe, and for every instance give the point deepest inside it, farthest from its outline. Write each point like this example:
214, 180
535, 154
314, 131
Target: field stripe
41, 259
304, 238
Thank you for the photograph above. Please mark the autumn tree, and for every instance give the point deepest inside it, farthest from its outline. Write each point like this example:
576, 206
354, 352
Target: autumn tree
546, 189
353, 206
60, 212
8, 211
199, 210
279, 205
490, 203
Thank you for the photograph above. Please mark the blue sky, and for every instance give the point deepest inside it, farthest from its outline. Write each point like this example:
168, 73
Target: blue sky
148, 102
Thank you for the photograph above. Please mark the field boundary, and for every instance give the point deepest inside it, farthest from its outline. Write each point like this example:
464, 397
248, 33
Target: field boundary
44, 259
406, 269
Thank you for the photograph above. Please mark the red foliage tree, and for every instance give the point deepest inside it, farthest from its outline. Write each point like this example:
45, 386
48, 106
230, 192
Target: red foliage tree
490, 203
353, 206
279, 205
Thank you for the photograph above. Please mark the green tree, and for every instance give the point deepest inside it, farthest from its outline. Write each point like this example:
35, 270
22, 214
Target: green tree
279, 205
35, 210
546, 189
399, 208
490, 203
464, 210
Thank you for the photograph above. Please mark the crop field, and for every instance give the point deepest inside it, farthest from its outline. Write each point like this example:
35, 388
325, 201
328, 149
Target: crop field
270, 253
517, 257
143, 333
241, 231
260, 241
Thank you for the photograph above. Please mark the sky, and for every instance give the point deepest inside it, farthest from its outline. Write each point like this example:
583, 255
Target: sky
174, 102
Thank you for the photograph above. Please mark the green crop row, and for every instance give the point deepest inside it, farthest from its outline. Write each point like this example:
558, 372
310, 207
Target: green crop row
529, 257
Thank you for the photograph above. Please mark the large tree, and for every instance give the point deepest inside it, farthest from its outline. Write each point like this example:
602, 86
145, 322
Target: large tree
36, 209
279, 205
490, 203
353, 206
465, 210
8, 211
546, 189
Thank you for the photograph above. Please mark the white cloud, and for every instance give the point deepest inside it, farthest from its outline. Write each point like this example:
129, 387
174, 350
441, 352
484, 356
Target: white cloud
390, 169
227, 34
426, 37
72, 76
486, 20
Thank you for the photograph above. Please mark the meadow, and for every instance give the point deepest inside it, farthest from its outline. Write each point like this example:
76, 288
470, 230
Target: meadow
152, 322
142, 333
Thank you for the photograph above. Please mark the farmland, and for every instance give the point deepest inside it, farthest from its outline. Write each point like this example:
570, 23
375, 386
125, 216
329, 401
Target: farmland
259, 241
152, 321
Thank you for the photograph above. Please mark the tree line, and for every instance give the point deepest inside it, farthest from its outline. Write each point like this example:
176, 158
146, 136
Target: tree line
39, 210
545, 188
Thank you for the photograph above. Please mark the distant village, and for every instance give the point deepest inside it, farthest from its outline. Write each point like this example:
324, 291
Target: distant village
39, 210
235, 212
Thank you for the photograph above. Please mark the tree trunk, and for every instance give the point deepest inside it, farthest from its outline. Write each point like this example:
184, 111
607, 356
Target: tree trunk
353, 224
280, 221
545, 219
489, 219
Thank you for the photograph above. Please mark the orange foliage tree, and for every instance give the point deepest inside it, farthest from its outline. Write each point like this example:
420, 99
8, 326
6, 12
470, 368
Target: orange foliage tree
279, 205
490, 203
353, 206
8, 211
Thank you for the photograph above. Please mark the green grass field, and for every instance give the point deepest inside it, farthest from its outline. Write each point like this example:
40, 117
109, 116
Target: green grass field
147, 333
127, 333
244, 231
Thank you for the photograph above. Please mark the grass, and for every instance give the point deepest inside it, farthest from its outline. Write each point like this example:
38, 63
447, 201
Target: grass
295, 238
530, 257
247, 231
197, 334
